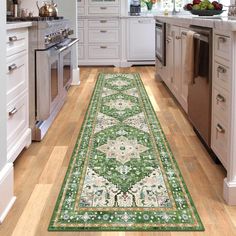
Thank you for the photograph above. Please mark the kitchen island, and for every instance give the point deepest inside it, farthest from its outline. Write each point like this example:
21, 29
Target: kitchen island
223, 88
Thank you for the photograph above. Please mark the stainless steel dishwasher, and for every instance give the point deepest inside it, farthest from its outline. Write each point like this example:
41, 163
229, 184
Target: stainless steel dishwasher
200, 90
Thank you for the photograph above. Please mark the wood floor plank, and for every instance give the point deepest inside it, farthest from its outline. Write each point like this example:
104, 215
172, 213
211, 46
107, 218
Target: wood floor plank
53, 165
31, 216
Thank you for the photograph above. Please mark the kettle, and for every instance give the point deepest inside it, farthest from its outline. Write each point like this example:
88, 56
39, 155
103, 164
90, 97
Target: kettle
48, 9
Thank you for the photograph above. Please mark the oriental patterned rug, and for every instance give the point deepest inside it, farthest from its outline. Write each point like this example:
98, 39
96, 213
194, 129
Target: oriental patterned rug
122, 175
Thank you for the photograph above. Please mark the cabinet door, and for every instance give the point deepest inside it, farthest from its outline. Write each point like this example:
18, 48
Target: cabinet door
176, 81
184, 84
169, 61
141, 39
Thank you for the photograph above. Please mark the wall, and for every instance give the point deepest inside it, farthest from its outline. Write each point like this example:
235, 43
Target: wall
31, 5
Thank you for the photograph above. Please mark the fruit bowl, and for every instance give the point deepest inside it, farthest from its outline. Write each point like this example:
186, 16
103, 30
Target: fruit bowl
206, 12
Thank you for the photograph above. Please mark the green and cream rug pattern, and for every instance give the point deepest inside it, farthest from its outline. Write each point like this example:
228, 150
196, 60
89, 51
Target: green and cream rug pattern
122, 174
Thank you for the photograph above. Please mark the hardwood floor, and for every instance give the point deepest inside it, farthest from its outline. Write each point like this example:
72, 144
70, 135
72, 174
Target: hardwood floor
40, 170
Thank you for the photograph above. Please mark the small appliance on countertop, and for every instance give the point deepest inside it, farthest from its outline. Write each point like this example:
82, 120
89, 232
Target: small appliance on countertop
135, 7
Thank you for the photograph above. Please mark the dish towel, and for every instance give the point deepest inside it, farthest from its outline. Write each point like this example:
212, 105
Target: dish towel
189, 58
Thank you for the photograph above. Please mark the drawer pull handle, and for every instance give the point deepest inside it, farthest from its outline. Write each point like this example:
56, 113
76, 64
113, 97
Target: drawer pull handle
12, 67
168, 40
220, 129
103, 21
178, 37
103, 47
222, 40
12, 38
12, 112
103, 8
103, 31
221, 69
220, 98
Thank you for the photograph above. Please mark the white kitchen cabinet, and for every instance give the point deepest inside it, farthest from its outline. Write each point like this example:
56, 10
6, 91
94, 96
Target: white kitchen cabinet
173, 73
141, 39
168, 69
183, 80
221, 97
18, 131
100, 33
176, 80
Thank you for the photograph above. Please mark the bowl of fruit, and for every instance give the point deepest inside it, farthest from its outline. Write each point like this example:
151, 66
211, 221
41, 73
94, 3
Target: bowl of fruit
204, 8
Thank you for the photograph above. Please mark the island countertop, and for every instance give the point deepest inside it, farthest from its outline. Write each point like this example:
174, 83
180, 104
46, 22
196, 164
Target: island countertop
216, 22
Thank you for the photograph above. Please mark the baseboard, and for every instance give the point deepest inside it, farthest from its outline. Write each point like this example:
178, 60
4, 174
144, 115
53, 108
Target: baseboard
76, 77
7, 198
229, 192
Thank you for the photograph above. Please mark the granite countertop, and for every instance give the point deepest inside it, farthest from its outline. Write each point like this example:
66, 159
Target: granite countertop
17, 25
217, 22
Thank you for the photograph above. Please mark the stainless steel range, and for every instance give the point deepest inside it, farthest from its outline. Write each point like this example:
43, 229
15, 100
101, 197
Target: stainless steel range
50, 69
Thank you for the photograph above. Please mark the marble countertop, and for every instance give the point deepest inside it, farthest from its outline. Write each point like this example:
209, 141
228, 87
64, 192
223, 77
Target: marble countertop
218, 22
17, 25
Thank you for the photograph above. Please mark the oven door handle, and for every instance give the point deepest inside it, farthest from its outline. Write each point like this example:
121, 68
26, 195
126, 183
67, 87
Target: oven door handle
68, 45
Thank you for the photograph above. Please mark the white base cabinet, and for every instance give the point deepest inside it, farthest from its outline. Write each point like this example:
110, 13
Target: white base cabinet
173, 73
18, 131
140, 39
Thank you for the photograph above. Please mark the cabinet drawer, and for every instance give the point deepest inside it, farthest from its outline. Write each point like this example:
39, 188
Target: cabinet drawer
103, 36
107, 2
81, 11
222, 46
221, 103
80, 23
80, 2
81, 52
17, 75
103, 52
222, 75
17, 113
103, 23
219, 142
81, 35
103, 10
17, 41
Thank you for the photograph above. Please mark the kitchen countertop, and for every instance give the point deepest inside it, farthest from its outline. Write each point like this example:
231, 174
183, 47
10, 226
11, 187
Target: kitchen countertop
218, 22
19, 24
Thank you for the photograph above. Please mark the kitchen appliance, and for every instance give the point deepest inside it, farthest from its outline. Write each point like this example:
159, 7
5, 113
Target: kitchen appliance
200, 90
135, 7
50, 70
160, 42
48, 9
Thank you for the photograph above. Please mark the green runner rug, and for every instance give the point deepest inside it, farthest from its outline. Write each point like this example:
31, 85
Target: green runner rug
122, 175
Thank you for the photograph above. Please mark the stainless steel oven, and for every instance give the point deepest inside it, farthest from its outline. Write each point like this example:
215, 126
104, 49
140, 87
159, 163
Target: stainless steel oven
53, 77
160, 42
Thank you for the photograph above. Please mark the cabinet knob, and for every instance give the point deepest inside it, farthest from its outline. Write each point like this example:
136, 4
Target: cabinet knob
222, 39
12, 38
220, 129
12, 67
12, 112
221, 69
220, 98
178, 37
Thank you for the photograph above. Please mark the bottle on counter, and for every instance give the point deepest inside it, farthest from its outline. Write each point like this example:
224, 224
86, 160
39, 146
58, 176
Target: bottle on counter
15, 8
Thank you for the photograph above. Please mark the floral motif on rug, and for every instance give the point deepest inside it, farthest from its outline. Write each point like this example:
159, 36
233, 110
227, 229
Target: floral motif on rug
122, 174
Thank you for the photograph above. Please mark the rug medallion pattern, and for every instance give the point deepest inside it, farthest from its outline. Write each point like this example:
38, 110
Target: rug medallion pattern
122, 174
